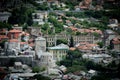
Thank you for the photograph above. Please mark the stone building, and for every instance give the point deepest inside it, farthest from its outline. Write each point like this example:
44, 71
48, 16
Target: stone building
12, 47
40, 44
14, 34
46, 59
51, 39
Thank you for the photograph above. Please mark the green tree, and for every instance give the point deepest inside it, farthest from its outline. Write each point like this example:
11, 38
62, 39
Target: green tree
100, 44
71, 42
21, 15
64, 41
40, 77
118, 69
37, 69
5, 25
58, 26
45, 26
99, 77
11, 62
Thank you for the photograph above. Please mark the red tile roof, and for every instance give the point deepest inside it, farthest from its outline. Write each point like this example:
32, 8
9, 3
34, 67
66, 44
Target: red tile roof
3, 30
3, 36
13, 40
72, 48
116, 41
86, 46
15, 31
23, 42
73, 28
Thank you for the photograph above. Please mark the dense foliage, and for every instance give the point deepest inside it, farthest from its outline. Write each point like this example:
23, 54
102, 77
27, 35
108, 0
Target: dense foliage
21, 15
40, 77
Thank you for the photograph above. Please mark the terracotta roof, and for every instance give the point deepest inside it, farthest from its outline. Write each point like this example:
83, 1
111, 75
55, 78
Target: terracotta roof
72, 48
3, 30
15, 31
90, 31
3, 36
31, 44
13, 40
86, 46
73, 28
116, 41
67, 21
24, 33
23, 42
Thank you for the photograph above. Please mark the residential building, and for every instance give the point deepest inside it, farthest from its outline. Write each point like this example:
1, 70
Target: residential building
98, 58
12, 47
46, 59
115, 43
51, 39
24, 59
59, 52
3, 31
3, 34
14, 34
87, 47
85, 4
91, 73
40, 1
4, 16
84, 38
17, 27
113, 24
34, 31
40, 17
108, 36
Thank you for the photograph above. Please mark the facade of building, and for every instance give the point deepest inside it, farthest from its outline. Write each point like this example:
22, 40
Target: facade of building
59, 52
51, 39
14, 34
40, 44
46, 59
24, 59
12, 47
40, 17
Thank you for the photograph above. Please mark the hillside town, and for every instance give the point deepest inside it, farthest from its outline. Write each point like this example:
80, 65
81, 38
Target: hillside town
59, 40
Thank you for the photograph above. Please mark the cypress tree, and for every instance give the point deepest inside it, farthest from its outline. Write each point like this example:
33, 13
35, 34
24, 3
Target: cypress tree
71, 42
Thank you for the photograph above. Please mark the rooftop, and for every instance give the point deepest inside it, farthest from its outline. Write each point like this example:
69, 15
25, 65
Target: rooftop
15, 31
13, 40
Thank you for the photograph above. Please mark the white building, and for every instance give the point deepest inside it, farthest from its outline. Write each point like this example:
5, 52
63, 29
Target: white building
40, 1
98, 58
4, 16
59, 52
40, 17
